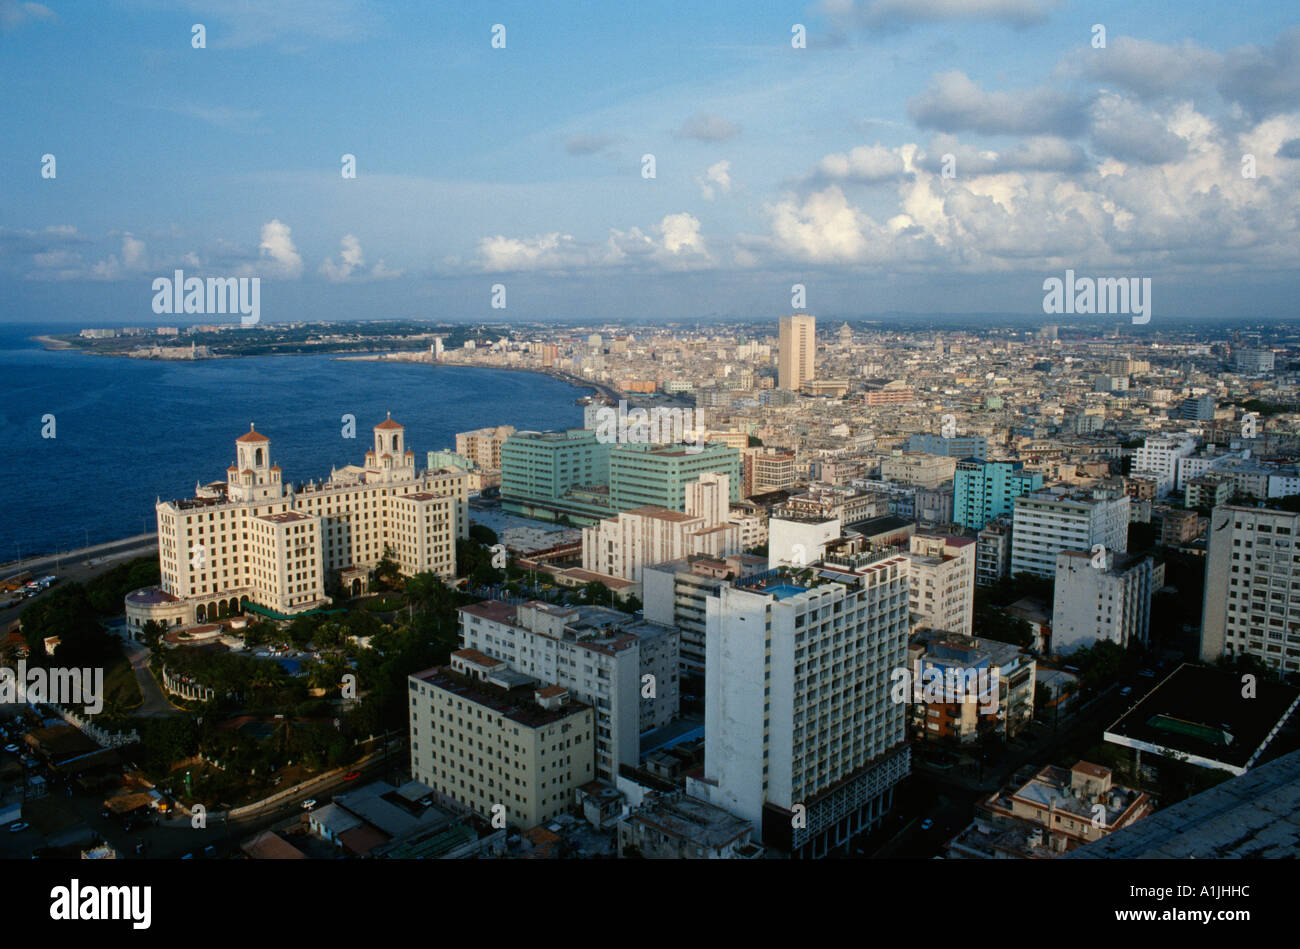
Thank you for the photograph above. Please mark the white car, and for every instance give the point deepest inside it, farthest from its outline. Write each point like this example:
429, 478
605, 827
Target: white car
309, 804
11, 748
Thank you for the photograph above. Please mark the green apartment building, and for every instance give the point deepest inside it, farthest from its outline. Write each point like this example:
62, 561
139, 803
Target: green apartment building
549, 475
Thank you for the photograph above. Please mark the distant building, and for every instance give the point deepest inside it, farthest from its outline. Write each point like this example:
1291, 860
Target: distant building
483, 446
1253, 361
796, 362
958, 446
985, 490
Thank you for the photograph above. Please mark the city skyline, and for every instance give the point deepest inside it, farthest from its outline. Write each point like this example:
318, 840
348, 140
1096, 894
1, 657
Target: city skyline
979, 170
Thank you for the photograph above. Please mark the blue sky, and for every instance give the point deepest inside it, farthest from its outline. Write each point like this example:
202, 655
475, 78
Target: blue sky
523, 165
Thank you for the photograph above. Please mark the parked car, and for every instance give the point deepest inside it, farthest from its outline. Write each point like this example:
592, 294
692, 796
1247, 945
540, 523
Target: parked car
927, 824
1127, 690
308, 804
11, 748
351, 775
18, 826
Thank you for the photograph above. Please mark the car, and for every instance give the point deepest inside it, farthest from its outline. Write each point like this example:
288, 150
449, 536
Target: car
308, 804
18, 826
1127, 690
188, 856
351, 775
927, 824
11, 748
1147, 674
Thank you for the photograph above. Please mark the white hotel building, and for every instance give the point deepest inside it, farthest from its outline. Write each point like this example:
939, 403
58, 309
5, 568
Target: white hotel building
1044, 525
798, 707
253, 539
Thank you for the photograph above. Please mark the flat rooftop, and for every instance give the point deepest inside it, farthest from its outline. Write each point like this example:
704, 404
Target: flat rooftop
1254, 815
1201, 712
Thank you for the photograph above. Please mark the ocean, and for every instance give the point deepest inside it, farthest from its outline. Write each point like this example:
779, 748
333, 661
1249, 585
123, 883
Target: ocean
128, 431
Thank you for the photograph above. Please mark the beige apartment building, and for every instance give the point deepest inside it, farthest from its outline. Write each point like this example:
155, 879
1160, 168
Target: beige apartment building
254, 539
796, 359
942, 582
917, 468
497, 741
483, 445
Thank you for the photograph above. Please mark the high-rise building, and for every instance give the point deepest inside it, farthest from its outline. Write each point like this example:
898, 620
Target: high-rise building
624, 545
675, 595
659, 474
802, 735
541, 470
1094, 603
1044, 525
498, 741
253, 540
600, 655
1251, 575
984, 490
942, 578
796, 361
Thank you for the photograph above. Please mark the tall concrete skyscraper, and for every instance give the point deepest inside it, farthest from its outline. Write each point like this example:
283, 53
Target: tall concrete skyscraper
796, 361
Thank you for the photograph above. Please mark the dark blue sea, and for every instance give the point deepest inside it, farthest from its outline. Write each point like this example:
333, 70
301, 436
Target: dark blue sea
128, 431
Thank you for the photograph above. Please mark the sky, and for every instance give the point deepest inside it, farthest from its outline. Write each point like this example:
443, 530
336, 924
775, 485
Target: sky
913, 156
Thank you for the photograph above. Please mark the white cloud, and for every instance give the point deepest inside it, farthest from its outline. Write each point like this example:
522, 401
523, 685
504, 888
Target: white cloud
277, 257
351, 264
675, 243
866, 163
717, 177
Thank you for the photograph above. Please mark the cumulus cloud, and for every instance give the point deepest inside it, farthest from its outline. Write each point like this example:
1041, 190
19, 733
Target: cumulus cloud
708, 128
351, 264
716, 178
1144, 68
1036, 153
675, 243
1129, 132
277, 257
866, 163
133, 259
954, 103
1264, 81
1158, 189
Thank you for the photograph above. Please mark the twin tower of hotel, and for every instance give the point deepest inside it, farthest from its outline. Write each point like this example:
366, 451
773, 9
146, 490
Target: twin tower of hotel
252, 539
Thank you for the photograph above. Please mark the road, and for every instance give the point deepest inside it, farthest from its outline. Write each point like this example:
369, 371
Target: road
77, 565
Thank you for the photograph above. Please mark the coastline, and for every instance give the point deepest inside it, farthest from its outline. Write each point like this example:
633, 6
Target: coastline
599, 388
54, 345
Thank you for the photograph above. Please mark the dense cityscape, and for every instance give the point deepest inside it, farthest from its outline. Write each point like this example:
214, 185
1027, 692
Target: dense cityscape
859, 439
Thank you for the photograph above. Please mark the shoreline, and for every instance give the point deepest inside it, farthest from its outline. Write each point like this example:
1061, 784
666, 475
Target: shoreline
600, 389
